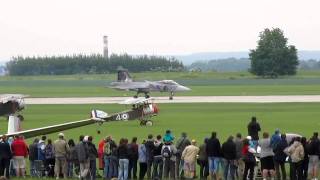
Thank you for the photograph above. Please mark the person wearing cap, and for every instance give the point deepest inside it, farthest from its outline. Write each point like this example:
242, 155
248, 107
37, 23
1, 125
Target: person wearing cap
229, 152
189, 157
181, 144
61, 148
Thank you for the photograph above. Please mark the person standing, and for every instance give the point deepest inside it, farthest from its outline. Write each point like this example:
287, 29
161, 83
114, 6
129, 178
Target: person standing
142, 160
110, 158
149, 149
60, 148
181, 144
249, 160
5, 157
203, 160
41, 147
189, 157
280, 158
93, 155
83, 157
49, 158
71, 158
275, 139
296, 153
229, 152
33, 155
213, 150
313, 150
239, 161
157, 159
266, 157
253, 130
168, 153
123, 157
20, 151
133, 158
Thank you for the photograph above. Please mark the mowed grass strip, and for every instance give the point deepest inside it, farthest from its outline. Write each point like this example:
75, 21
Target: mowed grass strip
198, 120
202, 84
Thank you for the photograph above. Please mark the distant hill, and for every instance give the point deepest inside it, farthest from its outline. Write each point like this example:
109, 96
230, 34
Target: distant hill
205, 56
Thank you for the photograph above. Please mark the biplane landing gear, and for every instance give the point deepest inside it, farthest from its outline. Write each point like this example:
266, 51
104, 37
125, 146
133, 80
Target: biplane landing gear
147, 96
146, 123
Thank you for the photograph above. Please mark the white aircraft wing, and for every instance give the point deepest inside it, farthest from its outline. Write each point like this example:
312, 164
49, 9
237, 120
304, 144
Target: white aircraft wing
4, 98
52, 129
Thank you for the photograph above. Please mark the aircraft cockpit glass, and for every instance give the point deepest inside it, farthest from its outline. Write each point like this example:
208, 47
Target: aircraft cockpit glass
169, 82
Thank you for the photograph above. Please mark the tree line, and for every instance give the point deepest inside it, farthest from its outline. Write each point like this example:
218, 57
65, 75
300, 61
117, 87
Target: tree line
89, 64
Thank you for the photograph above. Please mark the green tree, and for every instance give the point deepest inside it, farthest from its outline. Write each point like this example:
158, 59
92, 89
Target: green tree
273, 57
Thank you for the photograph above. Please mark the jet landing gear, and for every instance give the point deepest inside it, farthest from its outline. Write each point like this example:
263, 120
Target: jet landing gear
146, 123
146, 95
171, 96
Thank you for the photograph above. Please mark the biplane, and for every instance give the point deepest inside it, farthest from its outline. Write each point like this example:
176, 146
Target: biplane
142, 109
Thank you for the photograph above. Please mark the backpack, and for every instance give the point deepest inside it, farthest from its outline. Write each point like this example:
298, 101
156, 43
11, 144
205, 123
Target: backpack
107, 149
48, 152
166, 152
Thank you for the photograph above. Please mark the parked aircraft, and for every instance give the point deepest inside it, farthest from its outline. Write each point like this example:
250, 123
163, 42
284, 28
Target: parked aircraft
142, 110
125, 82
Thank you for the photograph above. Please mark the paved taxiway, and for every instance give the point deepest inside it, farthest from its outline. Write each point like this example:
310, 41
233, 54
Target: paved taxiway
180, 99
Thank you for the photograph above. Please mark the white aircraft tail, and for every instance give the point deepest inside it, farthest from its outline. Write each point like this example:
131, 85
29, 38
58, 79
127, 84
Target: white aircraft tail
14, 124
98, 115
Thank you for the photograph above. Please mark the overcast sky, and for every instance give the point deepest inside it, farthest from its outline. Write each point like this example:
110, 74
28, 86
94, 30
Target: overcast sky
58, 27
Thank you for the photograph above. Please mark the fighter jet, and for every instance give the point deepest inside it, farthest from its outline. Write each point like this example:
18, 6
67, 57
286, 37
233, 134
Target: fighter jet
125, 83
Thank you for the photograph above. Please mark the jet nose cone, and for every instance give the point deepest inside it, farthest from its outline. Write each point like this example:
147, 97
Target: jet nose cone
183, 88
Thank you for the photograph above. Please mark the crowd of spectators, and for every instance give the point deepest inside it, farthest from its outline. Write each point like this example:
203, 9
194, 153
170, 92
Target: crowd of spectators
165, 157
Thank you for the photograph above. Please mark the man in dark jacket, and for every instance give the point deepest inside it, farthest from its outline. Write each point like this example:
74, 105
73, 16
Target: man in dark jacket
149, 152
93, 155
83, 157
133, 158
230, 154
213, 150
181, 144
253, 129
33, 155
5, 157
157, 159
280, 157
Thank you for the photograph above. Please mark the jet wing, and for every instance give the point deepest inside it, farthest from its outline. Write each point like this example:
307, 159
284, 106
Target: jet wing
4, 98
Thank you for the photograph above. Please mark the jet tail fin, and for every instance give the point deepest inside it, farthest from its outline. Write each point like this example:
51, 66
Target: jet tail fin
124, 76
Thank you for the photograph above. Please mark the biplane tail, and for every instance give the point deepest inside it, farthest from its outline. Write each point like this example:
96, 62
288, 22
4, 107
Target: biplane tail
14, 124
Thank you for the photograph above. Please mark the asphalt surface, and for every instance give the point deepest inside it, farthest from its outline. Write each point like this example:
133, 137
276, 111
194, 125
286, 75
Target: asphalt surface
179, 99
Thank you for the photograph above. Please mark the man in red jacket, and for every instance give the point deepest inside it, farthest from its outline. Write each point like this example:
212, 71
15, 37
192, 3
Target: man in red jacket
20, 152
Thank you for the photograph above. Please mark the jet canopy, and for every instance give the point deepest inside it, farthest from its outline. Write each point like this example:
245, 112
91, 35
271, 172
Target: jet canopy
169, 82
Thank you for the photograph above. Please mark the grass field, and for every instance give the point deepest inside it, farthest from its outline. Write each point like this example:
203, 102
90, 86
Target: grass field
202, 84
198, 120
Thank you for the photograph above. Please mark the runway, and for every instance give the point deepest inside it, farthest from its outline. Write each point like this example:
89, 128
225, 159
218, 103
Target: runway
180, 99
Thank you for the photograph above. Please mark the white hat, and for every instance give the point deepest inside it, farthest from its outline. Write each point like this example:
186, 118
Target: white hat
61, 135
249, 137
85, 139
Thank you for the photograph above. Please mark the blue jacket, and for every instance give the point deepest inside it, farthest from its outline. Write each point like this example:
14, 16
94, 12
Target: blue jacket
142, 153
